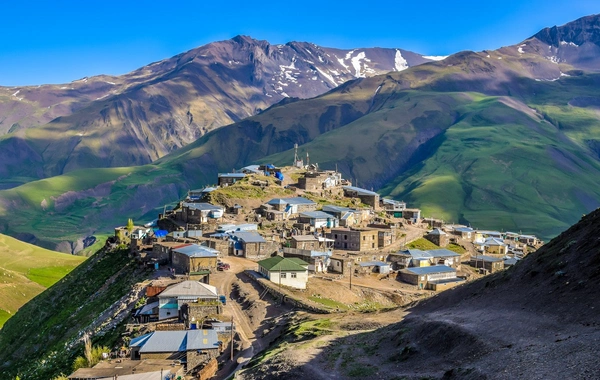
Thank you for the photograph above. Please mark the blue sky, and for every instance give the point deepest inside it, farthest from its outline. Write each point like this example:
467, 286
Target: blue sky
59, 41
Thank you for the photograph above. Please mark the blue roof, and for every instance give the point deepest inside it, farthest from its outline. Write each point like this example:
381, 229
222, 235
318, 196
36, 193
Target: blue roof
373, 264
248, 237
359, 190
317, 215
430, 270
195, 250
231, 175
160, 233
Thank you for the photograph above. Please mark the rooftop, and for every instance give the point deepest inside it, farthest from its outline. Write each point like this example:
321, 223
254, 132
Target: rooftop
373, 264
437, 231
231, 175
176, 341
144, 369
201, 206
442, 253
285, 264
489, 259
190, 288
359, 191
429, 270
195, 250
290, 201
248, 237
304, 238
316, 215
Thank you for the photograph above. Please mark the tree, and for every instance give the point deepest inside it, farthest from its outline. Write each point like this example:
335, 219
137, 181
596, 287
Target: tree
130, 225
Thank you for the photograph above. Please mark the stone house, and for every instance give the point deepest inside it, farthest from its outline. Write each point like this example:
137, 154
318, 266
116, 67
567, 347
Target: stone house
367, 197
226, 179
438, 237
311, 242
354, 239
318, 180
292, 206
290, 272
194, 258
495, 246
199, 213
340, 264
489, 263
195, 347
251, 245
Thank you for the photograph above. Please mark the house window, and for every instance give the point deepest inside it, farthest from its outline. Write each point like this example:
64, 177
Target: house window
335, 236
372, 245
345, 237
293, 275
283, 275
364, 238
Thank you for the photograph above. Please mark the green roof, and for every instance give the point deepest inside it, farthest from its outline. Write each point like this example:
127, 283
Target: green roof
284, 264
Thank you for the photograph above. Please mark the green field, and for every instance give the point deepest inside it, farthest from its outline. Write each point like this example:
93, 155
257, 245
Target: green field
27, 270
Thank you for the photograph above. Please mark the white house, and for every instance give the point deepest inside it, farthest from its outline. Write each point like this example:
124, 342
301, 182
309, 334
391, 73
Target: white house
290, 272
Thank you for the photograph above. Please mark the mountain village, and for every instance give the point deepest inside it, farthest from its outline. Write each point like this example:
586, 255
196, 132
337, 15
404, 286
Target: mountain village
305, 238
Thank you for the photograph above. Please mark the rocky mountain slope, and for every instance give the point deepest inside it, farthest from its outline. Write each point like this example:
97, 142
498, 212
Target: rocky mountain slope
536, 320
138, 117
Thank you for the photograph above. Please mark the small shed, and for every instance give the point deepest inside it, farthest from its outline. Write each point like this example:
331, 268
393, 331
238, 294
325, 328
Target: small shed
375, 267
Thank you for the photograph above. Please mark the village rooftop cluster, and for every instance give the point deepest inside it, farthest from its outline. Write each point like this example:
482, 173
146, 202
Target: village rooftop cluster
319, 225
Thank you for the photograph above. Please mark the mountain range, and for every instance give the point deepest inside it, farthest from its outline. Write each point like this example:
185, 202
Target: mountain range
506, 139
133, 119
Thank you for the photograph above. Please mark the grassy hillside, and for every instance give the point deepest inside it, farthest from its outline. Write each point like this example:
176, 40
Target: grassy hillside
27, 270
40, 340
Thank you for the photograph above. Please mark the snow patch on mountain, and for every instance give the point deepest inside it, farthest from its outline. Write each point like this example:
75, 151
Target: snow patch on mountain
568, 43
435, 57
399, 62
520, 49
329, 77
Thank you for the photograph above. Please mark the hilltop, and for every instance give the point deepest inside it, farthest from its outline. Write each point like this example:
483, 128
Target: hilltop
26, 271
535, 320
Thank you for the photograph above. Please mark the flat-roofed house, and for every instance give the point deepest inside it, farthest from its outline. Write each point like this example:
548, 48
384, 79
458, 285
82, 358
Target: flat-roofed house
354, 239
251, 245
489, 263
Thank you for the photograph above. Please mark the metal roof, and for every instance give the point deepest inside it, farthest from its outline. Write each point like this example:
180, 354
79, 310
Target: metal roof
195, 250
231, 175
429, 270
442, 253
177, 341
415, 253
304, 238
373, 264
298, 201
360, 191
494, 242
437, 231
334, 208
190, 288
201, 206
284, 264
317, 215
248, 237
490, 259
464, 229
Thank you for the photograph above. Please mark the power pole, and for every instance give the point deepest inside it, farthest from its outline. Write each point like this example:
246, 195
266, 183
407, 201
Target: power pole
232, 336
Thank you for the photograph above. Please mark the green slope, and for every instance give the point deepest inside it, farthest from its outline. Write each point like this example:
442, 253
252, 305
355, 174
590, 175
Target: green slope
27, 270
39, 341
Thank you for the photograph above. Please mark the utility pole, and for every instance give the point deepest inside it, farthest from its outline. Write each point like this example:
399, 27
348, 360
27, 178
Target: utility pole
232, 336
350, 269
